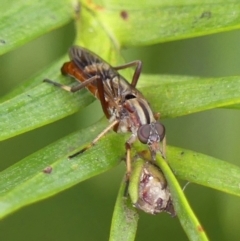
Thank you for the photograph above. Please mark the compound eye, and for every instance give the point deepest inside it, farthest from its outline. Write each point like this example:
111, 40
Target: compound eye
144, 133
160, 130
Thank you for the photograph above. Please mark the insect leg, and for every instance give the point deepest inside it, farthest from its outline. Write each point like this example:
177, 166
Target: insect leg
102, 99
129, 167
80, 86
128, 160
128, 145
163, 147
72, 88
137, 71
98, 137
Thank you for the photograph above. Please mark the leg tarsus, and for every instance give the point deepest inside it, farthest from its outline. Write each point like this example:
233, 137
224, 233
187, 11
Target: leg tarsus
73, 88
64, 87
164, 144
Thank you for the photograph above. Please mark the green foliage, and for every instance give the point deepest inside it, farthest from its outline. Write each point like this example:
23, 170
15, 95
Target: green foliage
105, 28
20, 23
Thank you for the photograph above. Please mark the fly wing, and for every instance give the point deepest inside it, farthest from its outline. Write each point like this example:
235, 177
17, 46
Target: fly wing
89, 64
83, 58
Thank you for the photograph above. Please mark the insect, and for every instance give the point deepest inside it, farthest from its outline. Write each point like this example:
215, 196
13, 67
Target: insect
124, 106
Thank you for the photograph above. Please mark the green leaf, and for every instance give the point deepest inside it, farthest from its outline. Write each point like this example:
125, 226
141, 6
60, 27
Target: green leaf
204, 170
18, 182
125, 218
171, 95
52, 71
181, 96
26, 182
187, 218
39, 105
24, 20
104, 29
149, 22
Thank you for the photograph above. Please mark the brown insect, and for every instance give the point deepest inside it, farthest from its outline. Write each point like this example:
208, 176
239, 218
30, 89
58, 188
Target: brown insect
124, 106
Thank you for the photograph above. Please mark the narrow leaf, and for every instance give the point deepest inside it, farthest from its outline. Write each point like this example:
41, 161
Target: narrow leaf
144, 22
44, 104
49, 170
24, 20
40, 105
25, 182
189, 95
170, 95
187, 218
204, 170
125, 218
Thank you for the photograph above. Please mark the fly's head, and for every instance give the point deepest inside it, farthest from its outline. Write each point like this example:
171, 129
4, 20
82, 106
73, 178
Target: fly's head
152, 134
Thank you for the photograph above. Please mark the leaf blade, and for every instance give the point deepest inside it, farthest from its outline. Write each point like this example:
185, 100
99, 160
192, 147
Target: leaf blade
125, 218
14, 181
186, 216
185, 95
204, 170
22, 16
37, 104
25, 182
154, 22
170, 95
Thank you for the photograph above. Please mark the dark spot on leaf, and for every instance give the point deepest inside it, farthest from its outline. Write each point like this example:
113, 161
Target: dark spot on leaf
2, 41
47, 170
144, 152
206, 14
200, 228
182, 153
124, 15
53, 17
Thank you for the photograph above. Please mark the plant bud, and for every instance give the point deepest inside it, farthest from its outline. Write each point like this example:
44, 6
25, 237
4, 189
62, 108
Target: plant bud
148, 189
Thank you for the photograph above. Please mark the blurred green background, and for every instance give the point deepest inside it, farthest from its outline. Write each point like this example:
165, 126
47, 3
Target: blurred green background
84, 211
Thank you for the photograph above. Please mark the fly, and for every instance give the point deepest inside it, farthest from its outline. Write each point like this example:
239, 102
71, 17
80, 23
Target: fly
124, 106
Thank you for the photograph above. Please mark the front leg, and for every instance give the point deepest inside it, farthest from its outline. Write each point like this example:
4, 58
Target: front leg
128, 146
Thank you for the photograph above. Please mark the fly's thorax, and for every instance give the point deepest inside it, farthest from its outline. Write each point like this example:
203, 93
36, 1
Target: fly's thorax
126, 90
134, 113
122, 103
139, 111
143, 123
